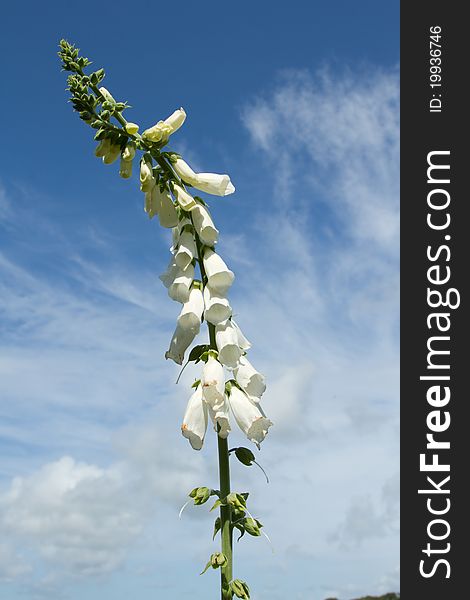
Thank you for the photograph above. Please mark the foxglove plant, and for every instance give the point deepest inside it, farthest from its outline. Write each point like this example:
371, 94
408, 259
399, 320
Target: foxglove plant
228, 382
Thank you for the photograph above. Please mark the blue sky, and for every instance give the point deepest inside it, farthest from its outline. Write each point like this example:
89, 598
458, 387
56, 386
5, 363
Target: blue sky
299, 104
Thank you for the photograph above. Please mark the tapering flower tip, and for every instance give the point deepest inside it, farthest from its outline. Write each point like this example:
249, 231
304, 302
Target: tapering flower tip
220, 419
249, 379
172, 270
167, 214
102, 148
183, 170
125, 168
179, 289
242, 341
213, 383
186, 249
106, 95
112, 154
227, 344
180, 342
132, 128
219, 276
204, 225
185, 200
191, 314
249, 416
217, 307
213, 183
176, 119
195, 420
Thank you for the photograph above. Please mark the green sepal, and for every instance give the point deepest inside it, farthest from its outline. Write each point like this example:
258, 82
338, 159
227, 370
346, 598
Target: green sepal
240, 589
217, 527
252, 526
217, 503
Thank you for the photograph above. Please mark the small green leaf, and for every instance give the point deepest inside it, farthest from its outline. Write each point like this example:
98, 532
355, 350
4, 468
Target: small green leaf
197, 351
206, 567
217, 526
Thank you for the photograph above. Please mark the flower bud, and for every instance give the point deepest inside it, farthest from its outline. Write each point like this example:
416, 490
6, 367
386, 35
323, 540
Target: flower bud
240, 589
107, 96
132, 128
147, 180
102, 148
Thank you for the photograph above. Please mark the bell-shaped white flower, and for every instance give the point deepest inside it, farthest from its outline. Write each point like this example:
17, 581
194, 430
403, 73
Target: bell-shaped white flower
186, 249
249, 416
161, 131
185, 200
220, 419
112, 154
102, 148
180, 342
151, 203
212, 183
227, 344
165, 208
213, 383
249, 379
191, 314
125, 168
147, 180
204, 225
195, 420
168, 277
178, 290
219, 276
242, 341
217, 307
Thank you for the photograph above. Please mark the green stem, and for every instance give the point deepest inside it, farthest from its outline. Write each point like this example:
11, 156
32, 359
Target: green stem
224, 467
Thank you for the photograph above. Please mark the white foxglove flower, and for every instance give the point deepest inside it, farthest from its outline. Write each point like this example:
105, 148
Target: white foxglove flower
125, 168
112, 154
195, 420
249, 379
212, 183
242, 341
249, 416
165, 208
220, 419
147, 180
217, 307
168, 277
185, 200
180, 342
186, 249
151, 204
102, 148
179, 289
161, 131
227, 344
204, 225
213, 383
191, 314
219, 276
